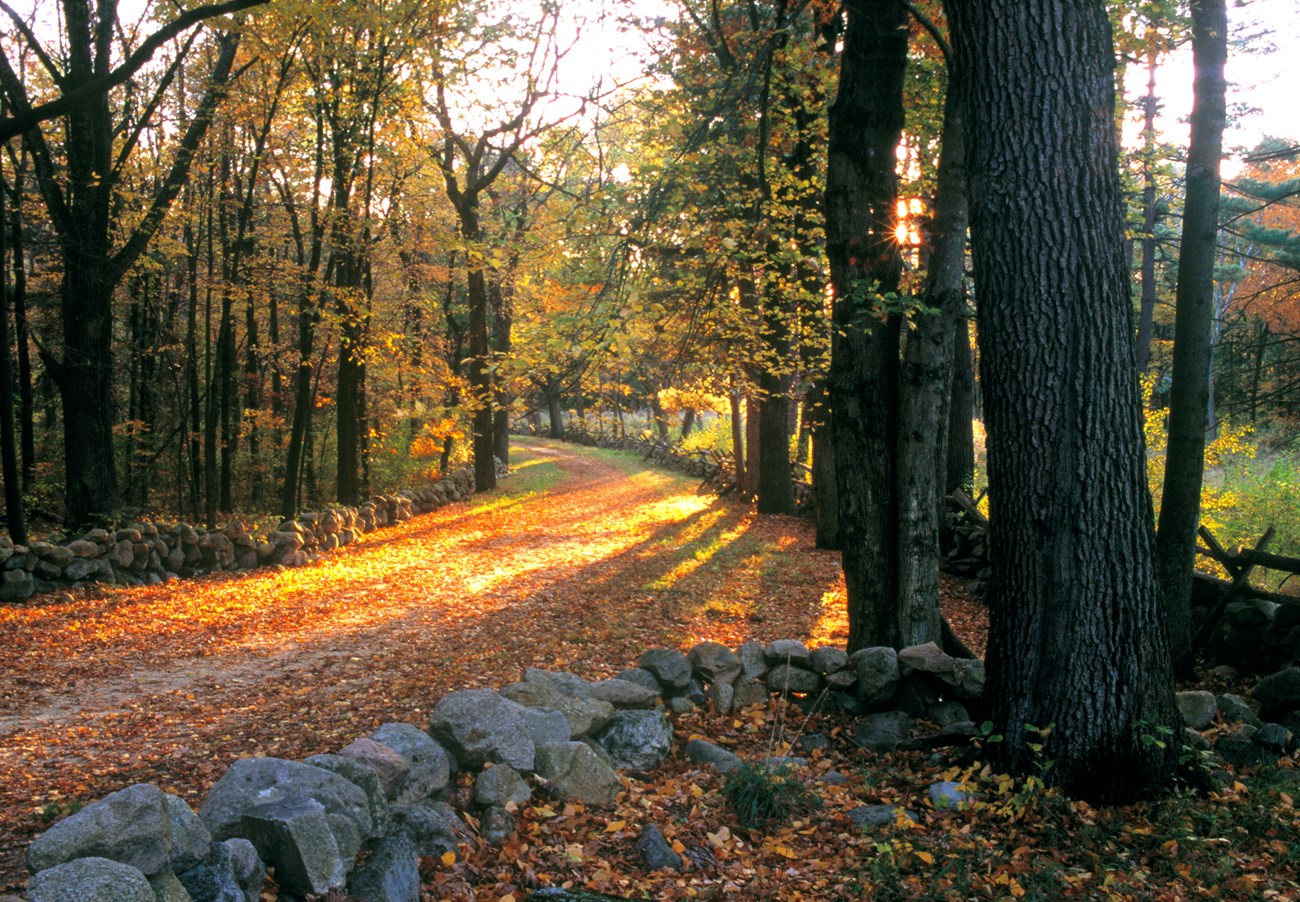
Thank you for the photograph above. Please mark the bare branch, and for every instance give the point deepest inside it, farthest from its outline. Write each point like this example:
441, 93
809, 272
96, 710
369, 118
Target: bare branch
23, 121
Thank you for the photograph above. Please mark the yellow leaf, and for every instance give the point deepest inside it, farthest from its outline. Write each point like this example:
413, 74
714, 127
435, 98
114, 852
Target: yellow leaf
508, 897
448, 859
615, 826
926, 857
678, 847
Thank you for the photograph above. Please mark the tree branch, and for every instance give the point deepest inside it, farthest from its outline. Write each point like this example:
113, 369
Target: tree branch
180, 170
23, 121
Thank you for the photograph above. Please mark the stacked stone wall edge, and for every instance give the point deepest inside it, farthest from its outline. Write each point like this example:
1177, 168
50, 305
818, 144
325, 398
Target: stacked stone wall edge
149, 553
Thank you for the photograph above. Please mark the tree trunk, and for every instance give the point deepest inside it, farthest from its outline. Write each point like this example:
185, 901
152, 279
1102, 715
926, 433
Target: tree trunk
554, 409
1147, 307
1076, 641
480, 379
502, 323
193, 409
1180, 503
299, 431
825, 498
15, 516
961, 413
866, 122
924, 395
775, 489
26, 399
737, 436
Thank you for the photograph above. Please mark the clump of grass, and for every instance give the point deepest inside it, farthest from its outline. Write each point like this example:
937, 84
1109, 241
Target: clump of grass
762, 794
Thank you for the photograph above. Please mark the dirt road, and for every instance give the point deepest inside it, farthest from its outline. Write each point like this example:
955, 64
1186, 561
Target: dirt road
580, 561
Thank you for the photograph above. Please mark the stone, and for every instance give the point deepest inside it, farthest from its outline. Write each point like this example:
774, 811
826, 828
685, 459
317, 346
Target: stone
722, 696
908, 698
964, 677
882, 732
388, 764
749, 692
91, 879
573, 772
1250, 614
294, 836
641, 677
166, 888
131, 826
190, 837
585, 715
17, 585
364, 777
637, 740
83, 549
624, 694
433, 827
703, 752
681, 705
787, 651
656, 851
881, 816
671, 668
252, 783
827, 659
231, 872
948, 713
714, 662
1274, 737
429, 764
1197, 708
567, 683
842, 679
813, 742
480, 725
390, 873
547, 727
1240, 752
496, 825
501, 784
785, 678
1235, 709
1278, 694
753, 662
947, 795
878, 673
79, 569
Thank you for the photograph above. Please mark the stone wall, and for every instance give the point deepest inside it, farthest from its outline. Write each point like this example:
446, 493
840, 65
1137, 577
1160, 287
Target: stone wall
395, 796
150, 553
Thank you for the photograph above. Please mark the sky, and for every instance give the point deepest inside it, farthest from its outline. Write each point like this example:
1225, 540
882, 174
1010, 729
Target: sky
1265, 79
1263, 75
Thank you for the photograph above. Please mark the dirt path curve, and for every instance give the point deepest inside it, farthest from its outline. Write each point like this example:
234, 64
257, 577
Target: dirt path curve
580, 561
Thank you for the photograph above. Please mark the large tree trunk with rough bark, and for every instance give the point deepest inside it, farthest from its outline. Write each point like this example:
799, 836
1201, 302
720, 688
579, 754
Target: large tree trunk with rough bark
1076, 640
1180, 503
866, 121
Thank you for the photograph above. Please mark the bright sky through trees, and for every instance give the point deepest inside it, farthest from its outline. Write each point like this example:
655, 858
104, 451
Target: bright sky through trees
1263, 77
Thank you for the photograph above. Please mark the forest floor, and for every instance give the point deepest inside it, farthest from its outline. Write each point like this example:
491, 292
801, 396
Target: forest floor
582, 560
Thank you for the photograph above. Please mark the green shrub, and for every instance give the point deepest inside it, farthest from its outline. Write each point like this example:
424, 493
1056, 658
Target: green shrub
761, 794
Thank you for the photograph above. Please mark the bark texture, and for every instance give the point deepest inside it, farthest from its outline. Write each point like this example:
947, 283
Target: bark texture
925, 394
866, 121
1076, 640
